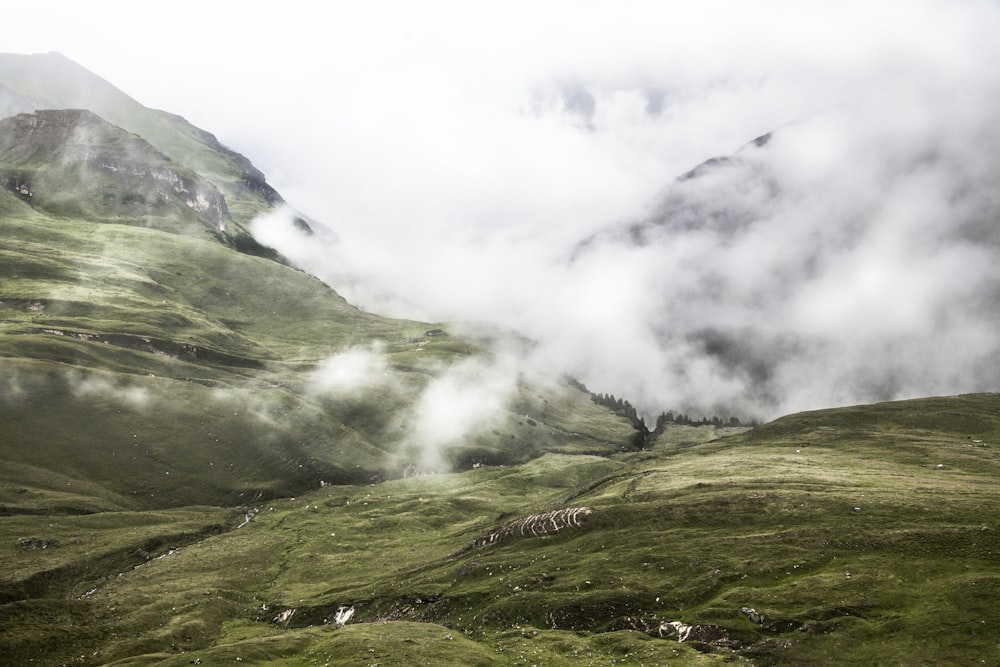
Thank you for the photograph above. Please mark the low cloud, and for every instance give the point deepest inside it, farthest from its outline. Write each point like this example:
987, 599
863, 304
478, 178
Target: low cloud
463, 400
350, 371
457, 402
846, 257
104, 388
516, 165
16, 385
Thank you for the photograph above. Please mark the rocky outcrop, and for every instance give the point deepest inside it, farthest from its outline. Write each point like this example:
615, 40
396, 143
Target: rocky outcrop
53, 158
707, 635
536, 524
161, 347
752, 615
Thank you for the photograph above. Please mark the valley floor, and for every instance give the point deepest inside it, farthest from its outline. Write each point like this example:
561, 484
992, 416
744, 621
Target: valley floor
855, 536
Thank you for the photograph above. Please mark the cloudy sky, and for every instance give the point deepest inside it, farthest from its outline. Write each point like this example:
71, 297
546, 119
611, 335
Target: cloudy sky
515, 163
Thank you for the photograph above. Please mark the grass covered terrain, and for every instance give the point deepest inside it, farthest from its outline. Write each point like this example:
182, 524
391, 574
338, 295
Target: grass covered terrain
857, 536
169, 355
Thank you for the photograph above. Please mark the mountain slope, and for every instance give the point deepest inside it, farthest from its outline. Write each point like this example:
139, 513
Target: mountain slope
160, 372
72, 163
52, 81
116, 333
137, 345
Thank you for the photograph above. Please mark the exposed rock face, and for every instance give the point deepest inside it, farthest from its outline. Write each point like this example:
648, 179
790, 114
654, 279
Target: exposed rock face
536, 524
752, 614
52, 158
251, 179
705, 634
52, 81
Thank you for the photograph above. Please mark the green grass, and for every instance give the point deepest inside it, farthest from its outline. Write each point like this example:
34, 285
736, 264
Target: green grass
692, 535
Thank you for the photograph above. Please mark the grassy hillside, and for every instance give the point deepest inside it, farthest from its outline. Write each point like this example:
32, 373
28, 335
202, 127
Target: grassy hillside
852, 537
157, 385
119, 339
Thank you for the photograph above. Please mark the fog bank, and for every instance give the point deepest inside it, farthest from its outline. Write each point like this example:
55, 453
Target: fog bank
516, 164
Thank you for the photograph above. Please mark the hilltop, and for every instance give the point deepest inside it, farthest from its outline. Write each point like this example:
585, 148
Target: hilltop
52, 81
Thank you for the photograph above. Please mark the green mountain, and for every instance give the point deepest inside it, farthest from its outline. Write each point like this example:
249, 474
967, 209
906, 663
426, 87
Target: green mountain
52, 81
208, 456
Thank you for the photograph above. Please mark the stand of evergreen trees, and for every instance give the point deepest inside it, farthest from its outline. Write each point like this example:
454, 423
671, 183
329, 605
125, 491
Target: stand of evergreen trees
644, 437
683, 419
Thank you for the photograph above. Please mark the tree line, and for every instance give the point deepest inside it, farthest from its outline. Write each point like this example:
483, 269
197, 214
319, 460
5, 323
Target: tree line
622, 407
644, 436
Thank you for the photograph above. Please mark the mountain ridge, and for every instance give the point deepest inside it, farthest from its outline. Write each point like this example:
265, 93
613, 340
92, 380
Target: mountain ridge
84, 145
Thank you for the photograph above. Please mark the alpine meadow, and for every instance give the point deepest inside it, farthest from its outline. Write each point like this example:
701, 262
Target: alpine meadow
221, 441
